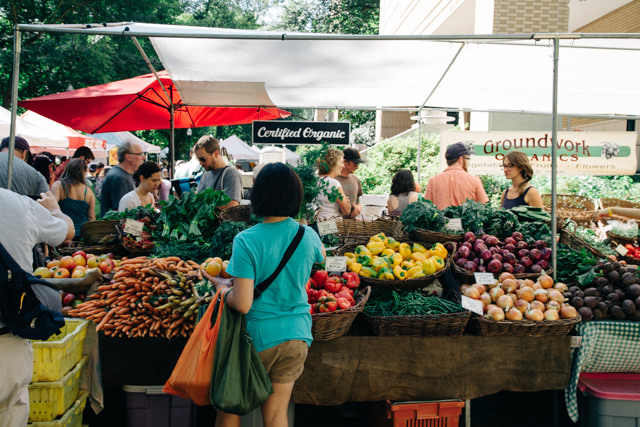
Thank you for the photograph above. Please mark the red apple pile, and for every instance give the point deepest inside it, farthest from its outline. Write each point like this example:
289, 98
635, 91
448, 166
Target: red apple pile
75, 266
70, 301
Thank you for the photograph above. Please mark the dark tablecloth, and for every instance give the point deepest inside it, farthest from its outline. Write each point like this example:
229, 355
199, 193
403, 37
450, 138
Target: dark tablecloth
357, 369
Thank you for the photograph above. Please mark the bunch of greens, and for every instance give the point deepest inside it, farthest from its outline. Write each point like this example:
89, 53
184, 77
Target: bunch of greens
138, 213
500, 223
330, 240
530, 213
408, 303
575, 265
533, 231
422, 214
222, 240
590, 237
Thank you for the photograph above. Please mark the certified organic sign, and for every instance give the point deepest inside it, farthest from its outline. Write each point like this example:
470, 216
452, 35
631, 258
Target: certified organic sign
292, 132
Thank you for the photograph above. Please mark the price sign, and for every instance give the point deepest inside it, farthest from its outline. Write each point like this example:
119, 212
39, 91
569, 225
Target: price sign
336, 264
455, 224
607, 227
327, 227
133, 227
621, 250
372, 211
484, 278
472, 305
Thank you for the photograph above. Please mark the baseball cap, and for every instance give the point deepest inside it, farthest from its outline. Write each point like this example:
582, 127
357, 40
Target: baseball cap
93, 167
352, 155
457, 150
21, 144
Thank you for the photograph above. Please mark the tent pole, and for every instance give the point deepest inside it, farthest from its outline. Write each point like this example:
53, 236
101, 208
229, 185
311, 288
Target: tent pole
151, 67
172, 147
554, 153
14, 103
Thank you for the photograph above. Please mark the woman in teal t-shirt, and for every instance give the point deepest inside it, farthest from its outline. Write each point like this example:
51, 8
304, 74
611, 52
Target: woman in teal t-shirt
279, 321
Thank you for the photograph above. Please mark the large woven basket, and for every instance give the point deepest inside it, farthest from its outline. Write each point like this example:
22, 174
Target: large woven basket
609, 202
576, 242
466, 276
486, 327
428, 236
239, 213
69, 249
329, 326
579, 209
410, 284
355, 232
618, 239
94, 231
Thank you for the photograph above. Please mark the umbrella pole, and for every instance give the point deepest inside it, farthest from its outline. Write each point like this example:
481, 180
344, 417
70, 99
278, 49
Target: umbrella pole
172, 151
17, 46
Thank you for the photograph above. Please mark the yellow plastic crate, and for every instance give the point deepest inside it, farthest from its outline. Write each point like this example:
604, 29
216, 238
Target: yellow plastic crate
56, 356
71, 418
48, 400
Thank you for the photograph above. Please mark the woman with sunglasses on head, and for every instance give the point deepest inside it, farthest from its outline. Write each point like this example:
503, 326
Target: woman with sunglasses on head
518, 169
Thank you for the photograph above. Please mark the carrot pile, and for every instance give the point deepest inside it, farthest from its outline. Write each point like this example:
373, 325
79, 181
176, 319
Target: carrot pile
154, 297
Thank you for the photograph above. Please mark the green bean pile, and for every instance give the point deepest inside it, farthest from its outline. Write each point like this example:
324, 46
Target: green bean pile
409, 303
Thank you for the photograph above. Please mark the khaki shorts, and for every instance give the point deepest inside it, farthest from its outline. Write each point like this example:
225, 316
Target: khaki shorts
285, 362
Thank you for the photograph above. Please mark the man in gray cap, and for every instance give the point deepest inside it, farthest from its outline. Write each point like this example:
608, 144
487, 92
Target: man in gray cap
454, 185
25, 179
350, 183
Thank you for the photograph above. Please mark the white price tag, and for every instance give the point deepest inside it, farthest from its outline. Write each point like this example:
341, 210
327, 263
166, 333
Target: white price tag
336, 264
327, 227
607, 227
484, 278
621, 250
454, 224
371, 212
133, 227
472, 305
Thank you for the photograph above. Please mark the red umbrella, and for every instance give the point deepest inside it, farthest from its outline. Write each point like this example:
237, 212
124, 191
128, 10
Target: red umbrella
139, 103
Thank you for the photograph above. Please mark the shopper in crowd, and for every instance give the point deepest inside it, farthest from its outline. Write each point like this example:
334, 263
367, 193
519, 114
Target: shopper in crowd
73, 194
25, 179
454, 185
165, 186
329, 167
617, 210
350, 183
188, 169
83, 153
278, 321
40, 222
403, 192
518, 169
44, 165
147, 179
119, 180
219, 175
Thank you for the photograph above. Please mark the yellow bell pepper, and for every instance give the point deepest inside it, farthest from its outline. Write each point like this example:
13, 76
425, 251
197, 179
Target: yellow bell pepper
365, 260
387, 252
375, 238
355, 267
379, 263
392, 243
405, 250
350, 255
386, 274
429, 266
407, 264
350, 261
411, 273
375, 247
368, 272
362, 250
399, 273
439, 262
418, 256
396, 259
417, 247
439, 250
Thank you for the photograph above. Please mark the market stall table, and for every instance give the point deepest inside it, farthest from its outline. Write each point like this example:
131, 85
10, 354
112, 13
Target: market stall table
607, 346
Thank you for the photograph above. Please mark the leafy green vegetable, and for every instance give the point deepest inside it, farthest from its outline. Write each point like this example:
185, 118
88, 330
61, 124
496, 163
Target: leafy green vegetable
408, 303
501, 223
590, 237
138, 213
422, 214
222, 240
575, 265
533, 231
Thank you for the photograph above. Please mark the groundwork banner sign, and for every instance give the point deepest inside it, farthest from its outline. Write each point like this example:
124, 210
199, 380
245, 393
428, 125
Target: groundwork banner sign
291, 132
579, 153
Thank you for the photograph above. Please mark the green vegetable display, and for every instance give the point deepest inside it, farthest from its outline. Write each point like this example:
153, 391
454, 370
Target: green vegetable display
590, 237
533, 231
422, 214
530, 213
408, 303
575, 265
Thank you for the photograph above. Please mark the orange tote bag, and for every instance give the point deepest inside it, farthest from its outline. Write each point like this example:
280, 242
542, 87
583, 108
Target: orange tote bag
191, 377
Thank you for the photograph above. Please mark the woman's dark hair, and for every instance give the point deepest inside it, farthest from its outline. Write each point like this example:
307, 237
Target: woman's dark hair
277, 191
146, 169
519, 159
41, 164
402, 182
74, 172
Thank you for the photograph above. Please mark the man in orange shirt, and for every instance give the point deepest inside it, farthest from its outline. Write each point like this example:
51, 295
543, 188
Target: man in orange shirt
454, 185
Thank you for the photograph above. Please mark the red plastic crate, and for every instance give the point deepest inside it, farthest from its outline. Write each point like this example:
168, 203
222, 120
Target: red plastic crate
442, 413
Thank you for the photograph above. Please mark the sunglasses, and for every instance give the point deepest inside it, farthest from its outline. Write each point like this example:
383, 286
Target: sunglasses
507, 166
204, 159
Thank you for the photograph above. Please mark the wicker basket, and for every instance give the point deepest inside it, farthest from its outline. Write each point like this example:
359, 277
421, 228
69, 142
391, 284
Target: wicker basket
79, 246
329, 326
355, 232
466, 276
94, 231
573, 241
239, 213
427, 236
486, 327
451, 324
617, 239
609, 202
571, 202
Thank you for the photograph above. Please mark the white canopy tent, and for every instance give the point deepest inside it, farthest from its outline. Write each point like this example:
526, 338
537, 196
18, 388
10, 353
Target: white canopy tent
114, 139
240, 150
38, 138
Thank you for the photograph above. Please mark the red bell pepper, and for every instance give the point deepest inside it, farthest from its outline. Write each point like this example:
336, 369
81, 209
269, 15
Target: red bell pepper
353, 280
319, 277
312, 295
346, 295
343, 303
326, 304
333, 284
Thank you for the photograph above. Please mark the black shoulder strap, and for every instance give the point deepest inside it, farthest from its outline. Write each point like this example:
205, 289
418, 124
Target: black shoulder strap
215, 184
258, 290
